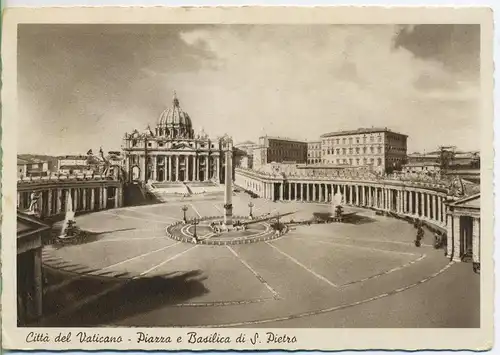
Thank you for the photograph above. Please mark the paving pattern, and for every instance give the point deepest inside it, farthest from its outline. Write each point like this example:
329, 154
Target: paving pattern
131, 274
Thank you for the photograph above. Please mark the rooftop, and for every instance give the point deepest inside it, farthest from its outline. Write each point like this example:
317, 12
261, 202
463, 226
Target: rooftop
360, 131
22, 160
73, 157
284, 139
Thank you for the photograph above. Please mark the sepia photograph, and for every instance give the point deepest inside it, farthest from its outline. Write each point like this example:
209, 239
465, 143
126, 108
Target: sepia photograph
249, 175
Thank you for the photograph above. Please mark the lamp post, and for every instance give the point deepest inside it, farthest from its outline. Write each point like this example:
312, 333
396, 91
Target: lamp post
184, 209
250, 205
195, 222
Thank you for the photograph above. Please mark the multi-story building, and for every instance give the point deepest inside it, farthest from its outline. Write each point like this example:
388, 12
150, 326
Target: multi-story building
378, 148
173, 152
71, 164
245, 157
314, 152
279, 150
28, 166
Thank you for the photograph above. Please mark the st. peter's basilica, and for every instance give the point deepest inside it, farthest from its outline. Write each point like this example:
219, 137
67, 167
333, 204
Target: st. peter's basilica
173, 152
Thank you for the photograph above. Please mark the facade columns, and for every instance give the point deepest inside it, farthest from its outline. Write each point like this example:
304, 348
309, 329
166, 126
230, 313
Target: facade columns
169, 168
155, 165
177, 167
307, 192
282, 188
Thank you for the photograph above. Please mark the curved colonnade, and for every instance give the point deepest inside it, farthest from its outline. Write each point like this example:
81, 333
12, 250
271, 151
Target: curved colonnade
89, 193
410, 199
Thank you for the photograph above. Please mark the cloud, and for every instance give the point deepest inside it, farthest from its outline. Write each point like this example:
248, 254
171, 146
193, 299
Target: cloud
290, 80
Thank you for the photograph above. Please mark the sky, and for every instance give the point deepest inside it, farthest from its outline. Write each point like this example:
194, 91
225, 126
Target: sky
81, 87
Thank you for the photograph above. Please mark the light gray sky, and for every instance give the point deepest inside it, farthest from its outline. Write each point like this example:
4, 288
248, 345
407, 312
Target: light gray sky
84, 86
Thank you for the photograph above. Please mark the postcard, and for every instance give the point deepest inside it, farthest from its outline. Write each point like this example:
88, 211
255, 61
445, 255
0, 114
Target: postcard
247, 178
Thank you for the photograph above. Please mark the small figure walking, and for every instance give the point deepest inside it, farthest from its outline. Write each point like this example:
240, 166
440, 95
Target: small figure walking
420, 236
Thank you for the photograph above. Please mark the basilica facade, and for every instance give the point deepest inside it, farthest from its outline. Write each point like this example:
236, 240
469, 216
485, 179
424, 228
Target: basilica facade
172, 152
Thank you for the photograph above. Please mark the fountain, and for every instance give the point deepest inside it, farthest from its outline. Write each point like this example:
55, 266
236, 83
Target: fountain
337, 210
69, 230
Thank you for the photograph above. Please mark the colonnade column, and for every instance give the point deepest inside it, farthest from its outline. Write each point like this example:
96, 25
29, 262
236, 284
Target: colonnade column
476, 240
422, 206
38, 281
410, 204
456, 238
92, 199
449, 232
440, 209
84, 199
428, 206
49, 202
434, 208
282, 188
295, 191
105, 197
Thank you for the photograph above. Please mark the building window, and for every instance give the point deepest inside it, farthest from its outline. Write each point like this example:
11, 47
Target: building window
357, 150
364, 150
357, 161
344, 151
134, 143
379, 161
371, 149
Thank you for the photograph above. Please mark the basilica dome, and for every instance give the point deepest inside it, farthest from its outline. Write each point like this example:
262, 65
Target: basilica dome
174, 122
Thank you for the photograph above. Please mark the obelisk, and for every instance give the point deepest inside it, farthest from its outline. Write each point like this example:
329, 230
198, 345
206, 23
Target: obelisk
228, 182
